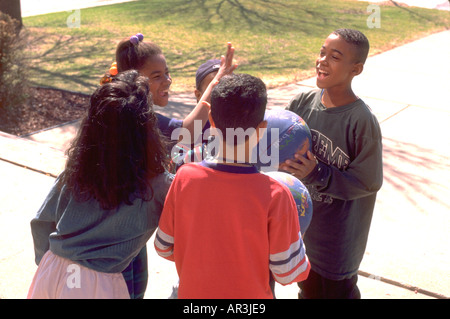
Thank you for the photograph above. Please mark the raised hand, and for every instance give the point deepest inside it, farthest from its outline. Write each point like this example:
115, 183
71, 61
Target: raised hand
227, 63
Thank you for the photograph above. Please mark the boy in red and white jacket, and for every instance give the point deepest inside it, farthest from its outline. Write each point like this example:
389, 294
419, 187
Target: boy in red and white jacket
244, 224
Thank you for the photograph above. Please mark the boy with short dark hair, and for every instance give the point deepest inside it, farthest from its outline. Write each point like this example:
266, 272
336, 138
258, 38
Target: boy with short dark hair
344, 171
245, 223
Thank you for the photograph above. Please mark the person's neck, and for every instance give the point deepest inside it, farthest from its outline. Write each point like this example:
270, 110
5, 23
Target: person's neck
336, 97
231, 158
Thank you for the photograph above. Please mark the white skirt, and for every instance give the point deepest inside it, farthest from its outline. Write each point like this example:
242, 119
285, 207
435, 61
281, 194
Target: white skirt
60, 278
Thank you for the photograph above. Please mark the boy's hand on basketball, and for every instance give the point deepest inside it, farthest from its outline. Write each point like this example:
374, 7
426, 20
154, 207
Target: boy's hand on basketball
301, 166
227, 63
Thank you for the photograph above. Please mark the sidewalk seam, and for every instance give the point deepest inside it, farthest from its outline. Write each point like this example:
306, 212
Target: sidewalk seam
28, 168
396, 113
402, 285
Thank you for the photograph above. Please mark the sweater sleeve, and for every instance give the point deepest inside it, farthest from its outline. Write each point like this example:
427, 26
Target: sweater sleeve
44, 223
362, 177
160, 186
364, 174
287, 260
164, 238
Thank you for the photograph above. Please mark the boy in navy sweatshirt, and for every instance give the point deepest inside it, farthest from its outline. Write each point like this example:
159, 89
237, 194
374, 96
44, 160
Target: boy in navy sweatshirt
343, 172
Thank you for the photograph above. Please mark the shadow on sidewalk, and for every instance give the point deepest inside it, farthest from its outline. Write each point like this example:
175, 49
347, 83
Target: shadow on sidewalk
415, 171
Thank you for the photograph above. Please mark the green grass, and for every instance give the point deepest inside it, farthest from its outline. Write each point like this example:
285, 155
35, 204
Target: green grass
276, 40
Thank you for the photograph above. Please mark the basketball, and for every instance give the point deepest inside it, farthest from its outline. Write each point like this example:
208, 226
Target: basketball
181, 154
300, 194
293, 135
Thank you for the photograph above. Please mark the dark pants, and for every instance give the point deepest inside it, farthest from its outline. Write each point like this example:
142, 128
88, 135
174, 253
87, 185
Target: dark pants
318, 287
136, 275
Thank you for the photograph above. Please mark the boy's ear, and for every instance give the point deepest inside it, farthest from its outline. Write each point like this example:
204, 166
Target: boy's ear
357, 68
262, 124
198, 95
261, 128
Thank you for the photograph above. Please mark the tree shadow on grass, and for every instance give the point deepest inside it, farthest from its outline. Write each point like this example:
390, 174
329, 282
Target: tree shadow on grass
280, 34
413, 13
263, 15
60, 61
68, 62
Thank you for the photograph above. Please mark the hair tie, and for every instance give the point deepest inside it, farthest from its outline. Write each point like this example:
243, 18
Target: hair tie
113, 69
135, 39
112, 72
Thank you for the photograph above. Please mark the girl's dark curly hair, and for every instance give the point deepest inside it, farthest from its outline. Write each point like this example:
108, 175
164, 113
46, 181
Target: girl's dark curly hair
119, 146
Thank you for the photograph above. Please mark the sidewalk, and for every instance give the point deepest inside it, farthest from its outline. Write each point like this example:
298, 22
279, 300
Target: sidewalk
429, 4
33, 7
407, 89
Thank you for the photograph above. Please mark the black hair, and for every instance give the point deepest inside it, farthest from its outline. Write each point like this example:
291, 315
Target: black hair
131, 56
358, 40
238, 101
119, 146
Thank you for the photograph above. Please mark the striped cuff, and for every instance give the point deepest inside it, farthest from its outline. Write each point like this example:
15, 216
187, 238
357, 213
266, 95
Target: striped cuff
163, 244
286, 266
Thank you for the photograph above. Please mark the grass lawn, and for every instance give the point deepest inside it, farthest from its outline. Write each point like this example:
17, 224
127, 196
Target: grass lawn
277, 40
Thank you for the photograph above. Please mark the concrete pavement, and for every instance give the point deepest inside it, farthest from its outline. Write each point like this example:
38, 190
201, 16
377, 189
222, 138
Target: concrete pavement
429, 4
33, 7
408, 243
